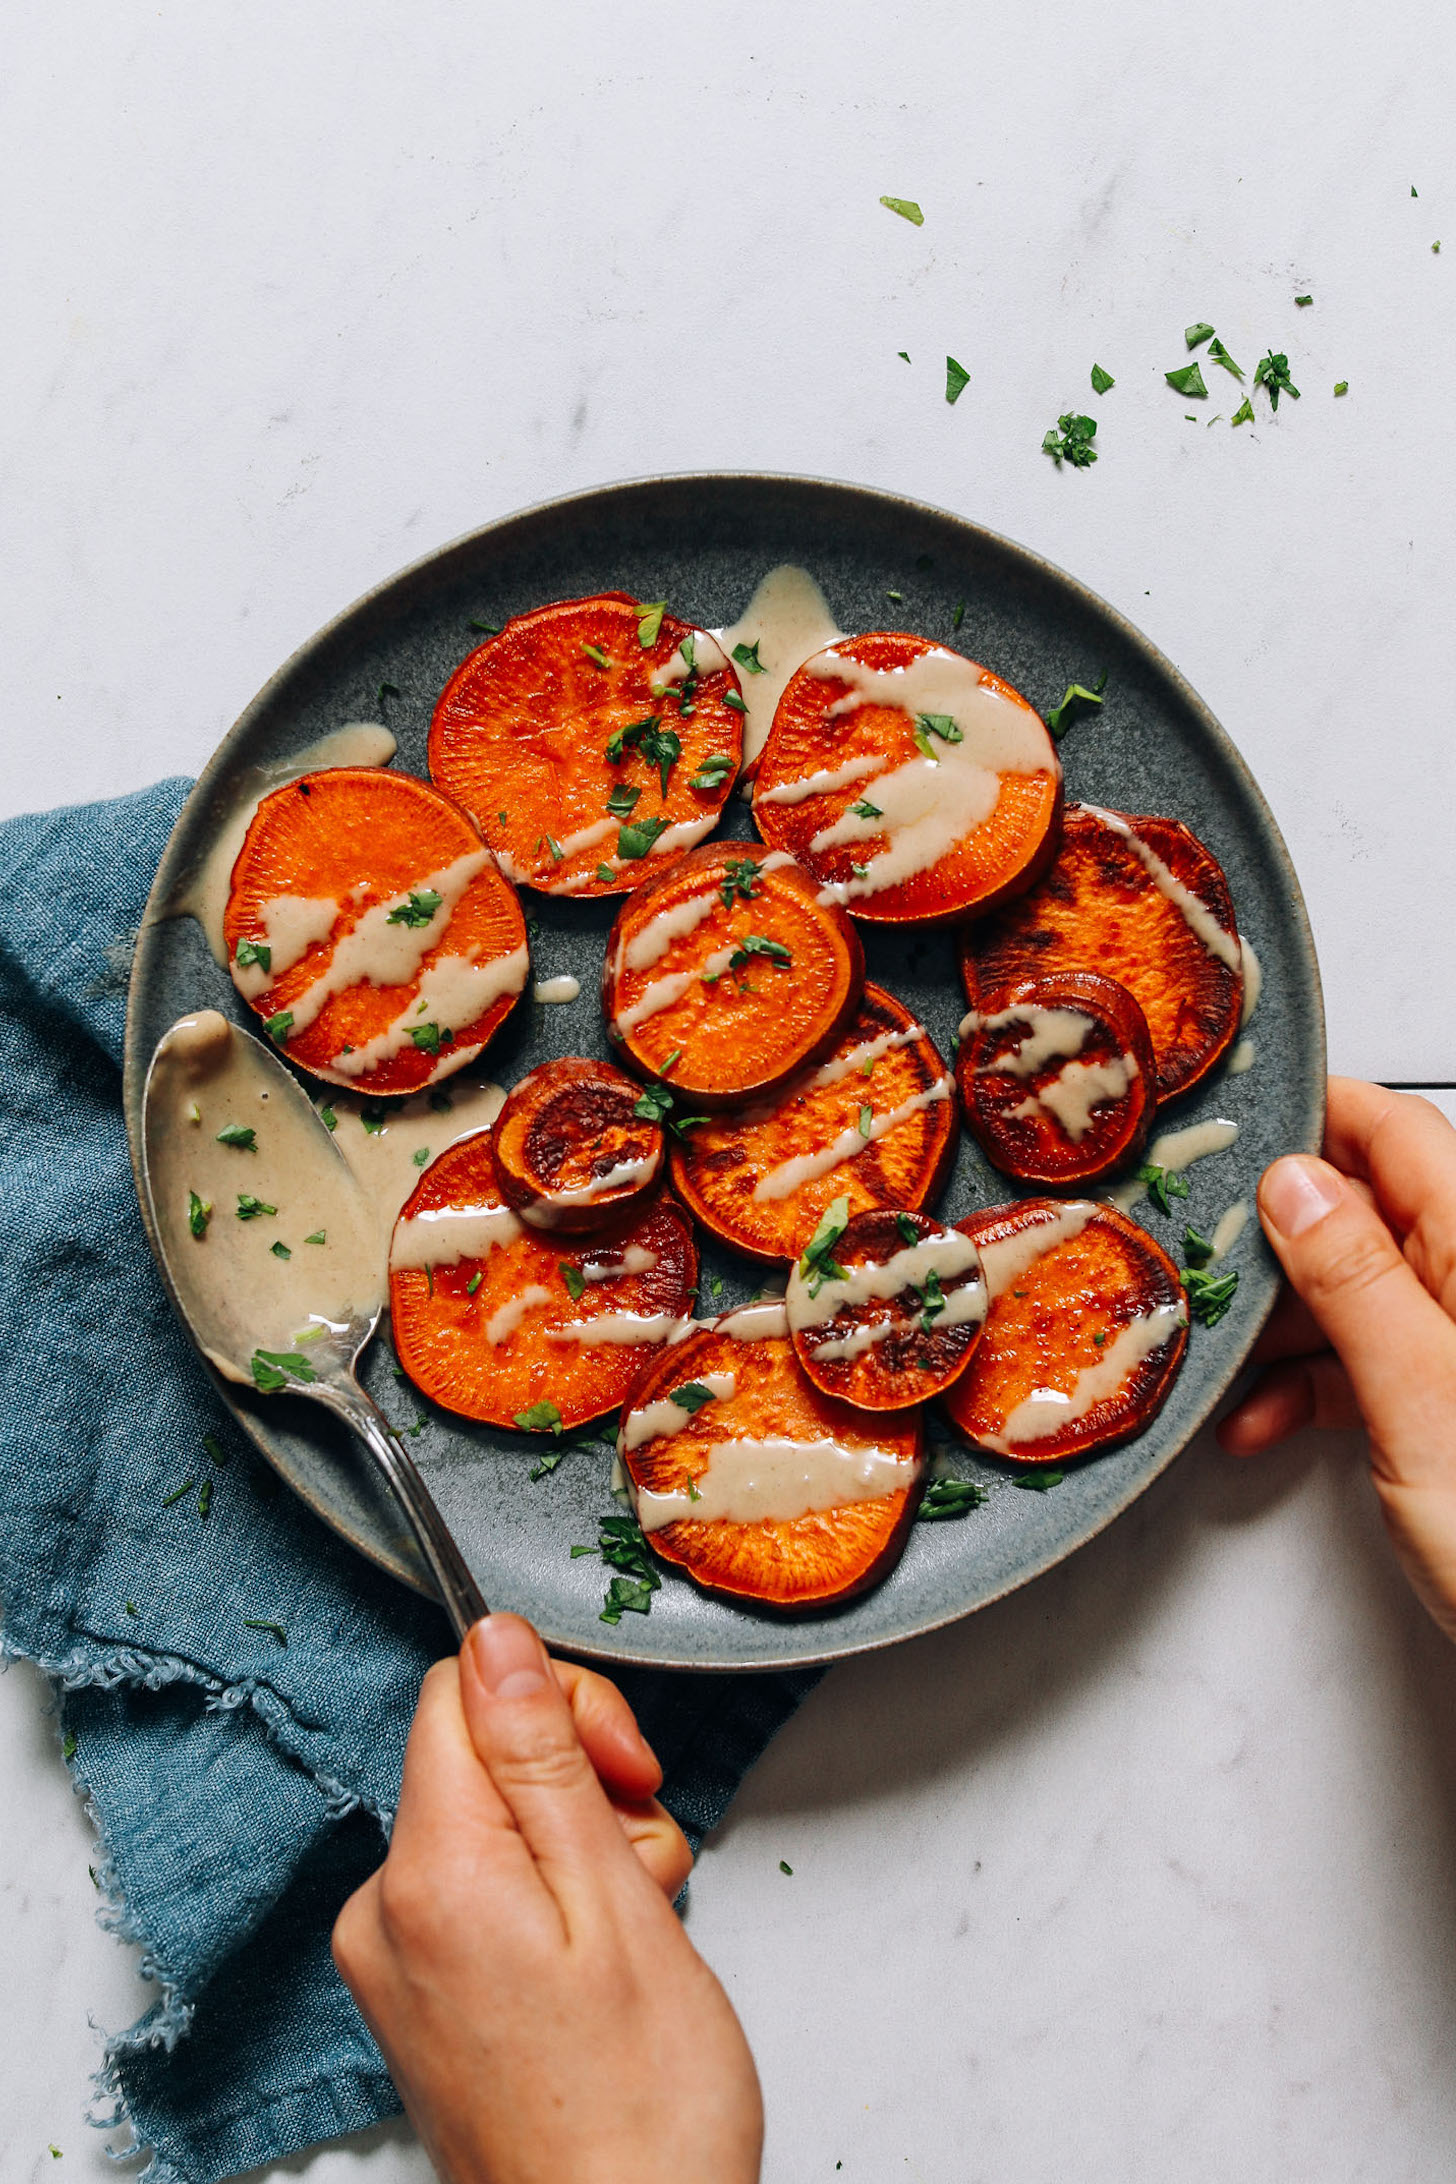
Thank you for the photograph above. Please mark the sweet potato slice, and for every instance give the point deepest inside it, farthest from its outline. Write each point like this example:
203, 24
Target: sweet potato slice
571, 1152
370, 928
886, 1310
726, 975
587, 757
1143, 901
914, 784
494, 1320
801, 1501
1057, 1078
1084, 1338
875, 1122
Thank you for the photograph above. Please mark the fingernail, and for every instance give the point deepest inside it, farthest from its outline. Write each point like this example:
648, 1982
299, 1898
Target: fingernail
507, 1656
1297, 1192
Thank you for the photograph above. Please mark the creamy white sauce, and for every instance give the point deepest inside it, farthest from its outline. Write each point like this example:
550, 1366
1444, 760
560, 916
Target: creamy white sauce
1241, 1058
636, 1259
825, 780
290, 926
708, 658
239, 1295
765, 1322
546, 1213
1253, 979
868, 1050
203, 892
453, 991
945, 1255
665, 993
586, 837
557, 990
617, 1327
750, 1482
1050, 1034
1047, 1410
1005, 1261
780, 1182
451, 1233
503, 1322
1072, 1094
651, 942
1176, 1150
378, 953
383, 1157
658, 1421
1196, 914
788, 618
964, 1307
1230, 1228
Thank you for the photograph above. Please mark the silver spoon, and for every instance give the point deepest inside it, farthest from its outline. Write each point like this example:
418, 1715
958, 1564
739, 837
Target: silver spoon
272, 1252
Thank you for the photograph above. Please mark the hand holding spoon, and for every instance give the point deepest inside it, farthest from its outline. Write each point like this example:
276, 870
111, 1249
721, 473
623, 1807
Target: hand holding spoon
271, 1251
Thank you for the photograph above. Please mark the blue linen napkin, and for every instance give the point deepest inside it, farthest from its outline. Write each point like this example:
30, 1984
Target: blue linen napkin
235, 1685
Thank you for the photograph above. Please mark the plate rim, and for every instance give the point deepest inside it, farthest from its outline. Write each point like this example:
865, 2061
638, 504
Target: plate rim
221, 764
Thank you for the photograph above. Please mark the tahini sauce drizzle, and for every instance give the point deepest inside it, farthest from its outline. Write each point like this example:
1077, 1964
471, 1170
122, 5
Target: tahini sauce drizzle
788, 618
1047, 1410
788, 1177
1230, 1229
659, 1420
557, 991
1176, 1150
1072, 1094
1196, 914
384, 1157
750, 1481
947, 1255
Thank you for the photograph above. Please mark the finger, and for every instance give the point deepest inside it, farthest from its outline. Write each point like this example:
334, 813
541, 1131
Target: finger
661, 1847
1405, 1149
1308, 1391
1396, 1343
1291, 1331
521, 1727
607, 1726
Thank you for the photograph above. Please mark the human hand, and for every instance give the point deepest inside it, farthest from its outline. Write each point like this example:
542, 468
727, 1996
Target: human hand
542, 2012
1367, 1333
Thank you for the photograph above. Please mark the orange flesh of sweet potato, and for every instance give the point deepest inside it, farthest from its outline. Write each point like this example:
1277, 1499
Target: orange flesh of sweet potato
788, 1563
564, 1131
758, 983
716, 1169
521, 735
442, 1315
1057, 1318
922, 1353
357, 837
996, 858
1098, 908
1040, 1122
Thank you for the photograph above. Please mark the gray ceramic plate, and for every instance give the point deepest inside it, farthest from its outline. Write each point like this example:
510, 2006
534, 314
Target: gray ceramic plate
703, 543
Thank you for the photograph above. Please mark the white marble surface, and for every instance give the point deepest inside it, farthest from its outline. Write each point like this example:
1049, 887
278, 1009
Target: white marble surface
1146, 1873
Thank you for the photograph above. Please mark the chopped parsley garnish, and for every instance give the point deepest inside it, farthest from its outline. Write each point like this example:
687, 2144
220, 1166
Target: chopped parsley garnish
1273, 372
649, 623
254, 1623
655, 1105
606, 874
318, 1237
596, 655
747, 656
278, 1027
740, 881
785, 1867
1218, 354
474, 1283
936, 724
557, 852
387, 690
637, 839
905, 353
545, 1465
660, 747
254, 951
485, 629
374, 1118
691, 1396
896, 597
866, 1122
271, 1369
204, 1500
908, 1231
1101, 380
932, 1296
754, 944
818, 1264
419, 910
675, 1056
240, 1137
574, 1279
199, 1213
716, 768
1244, 414
1342, 386
864, 809
1038, 1482
1070, 441
541, 1417
1075, 702
420, 1156
907, 209
621, 800
957, 379
280, 1250
215, 1449
960, 614
177, 1493
1302, 301
1163, 1184
1194, 335
620, 1544
1188, 379
946, 1498
427, 1037
328, 1118
1197, 1250
1209, 1294
250, 1208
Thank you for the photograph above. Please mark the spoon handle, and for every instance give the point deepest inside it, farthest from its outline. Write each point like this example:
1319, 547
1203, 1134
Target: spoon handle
460, 1596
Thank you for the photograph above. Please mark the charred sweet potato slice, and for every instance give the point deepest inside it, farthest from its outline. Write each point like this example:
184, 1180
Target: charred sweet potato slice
493, 1319
1084, 1338
571, 1152
726, 975
1143, 901
586, 756
800, 1501
914, 784
875, 1122
1057, 1078
886, 1310
370, 928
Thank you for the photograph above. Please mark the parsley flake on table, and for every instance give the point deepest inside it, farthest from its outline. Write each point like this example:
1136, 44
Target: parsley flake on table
649, 623
636, 840
1188, 379
254, 951
1244, 414
1209, 1294
1342, 386
419, 910
818, 1265
280, 1250
1218, 354
542, 1417
387, 690
421, 1156
1070, 441
1075, 702
957, 379
905, 353
785, 1867
271, 1368
1197, 334
251, 1208
1272, 372
240, 1137
907, 209
1101, 380
946, 1498
199, 1213
1304, 301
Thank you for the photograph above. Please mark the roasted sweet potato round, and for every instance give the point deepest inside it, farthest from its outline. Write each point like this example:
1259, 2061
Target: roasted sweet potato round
726, 975
1057, 1078
1143, 901
571, 1152
1086, 1331
912, 783
874, 1122
767, 1491
370, 928
588, 757
500, 1323
886, 1310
